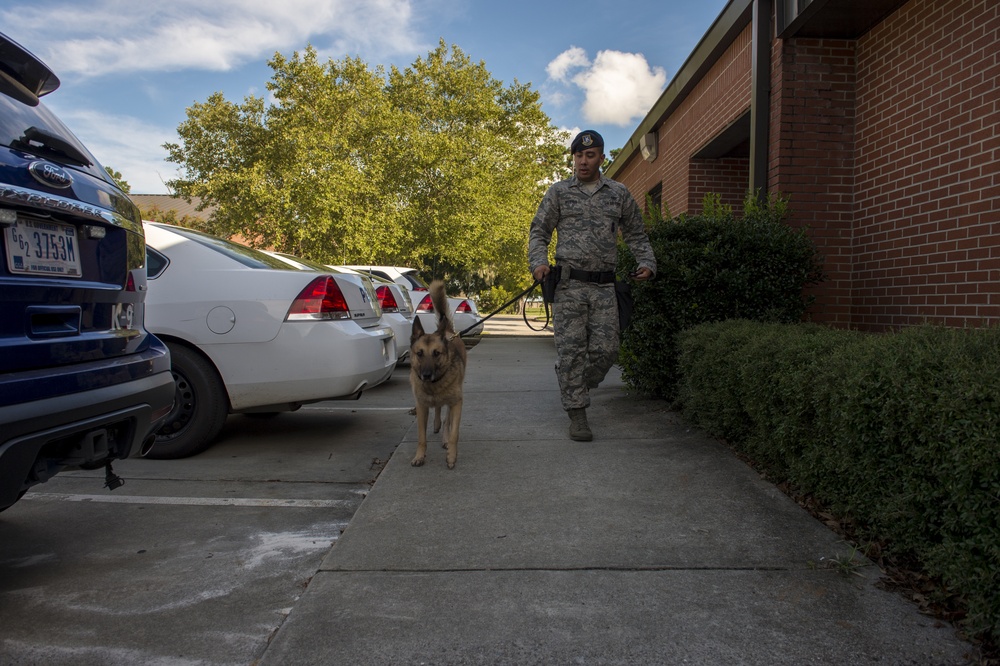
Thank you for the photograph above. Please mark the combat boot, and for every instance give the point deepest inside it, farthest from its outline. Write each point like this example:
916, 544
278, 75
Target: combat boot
579, 431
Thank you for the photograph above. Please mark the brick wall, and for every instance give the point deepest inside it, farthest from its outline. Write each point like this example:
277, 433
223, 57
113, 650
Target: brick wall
718, 99
927, 186
726, 177
811, 157
888, 147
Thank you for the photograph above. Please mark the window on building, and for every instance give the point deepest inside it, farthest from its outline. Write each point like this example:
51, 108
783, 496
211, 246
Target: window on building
654, 198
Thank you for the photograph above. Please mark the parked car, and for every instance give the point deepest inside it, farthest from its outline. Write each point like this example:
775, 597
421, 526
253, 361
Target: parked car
397, 309
464, 312
397, 317
82, 382
250, 333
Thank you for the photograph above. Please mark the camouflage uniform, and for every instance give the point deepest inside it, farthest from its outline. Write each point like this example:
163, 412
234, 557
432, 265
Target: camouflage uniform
585, 314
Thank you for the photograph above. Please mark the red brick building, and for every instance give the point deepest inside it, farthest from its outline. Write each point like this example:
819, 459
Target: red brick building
878, 119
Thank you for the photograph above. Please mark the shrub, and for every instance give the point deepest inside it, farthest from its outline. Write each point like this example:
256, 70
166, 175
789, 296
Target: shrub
490, 299
898, 432
713, 267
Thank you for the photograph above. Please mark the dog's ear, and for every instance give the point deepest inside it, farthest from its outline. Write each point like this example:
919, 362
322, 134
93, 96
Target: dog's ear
417, 329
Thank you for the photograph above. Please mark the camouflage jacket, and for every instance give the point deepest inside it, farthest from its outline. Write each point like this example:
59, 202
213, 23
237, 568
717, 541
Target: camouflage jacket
588, 227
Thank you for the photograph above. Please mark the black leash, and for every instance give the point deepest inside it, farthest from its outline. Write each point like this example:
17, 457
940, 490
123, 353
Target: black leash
548, 315
507, 305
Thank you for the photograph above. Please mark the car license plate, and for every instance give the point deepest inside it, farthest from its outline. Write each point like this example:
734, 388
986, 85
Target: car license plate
37, 247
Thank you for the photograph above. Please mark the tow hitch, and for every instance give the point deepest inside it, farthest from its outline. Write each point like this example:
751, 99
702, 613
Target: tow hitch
112, 480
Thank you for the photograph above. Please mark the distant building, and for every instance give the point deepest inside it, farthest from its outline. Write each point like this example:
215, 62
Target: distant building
168, 203
169, 209
879, 119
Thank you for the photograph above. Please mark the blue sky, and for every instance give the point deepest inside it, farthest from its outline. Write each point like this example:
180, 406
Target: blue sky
129, 68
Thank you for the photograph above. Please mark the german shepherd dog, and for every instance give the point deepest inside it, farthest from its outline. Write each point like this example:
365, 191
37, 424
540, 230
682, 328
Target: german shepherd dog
437, 370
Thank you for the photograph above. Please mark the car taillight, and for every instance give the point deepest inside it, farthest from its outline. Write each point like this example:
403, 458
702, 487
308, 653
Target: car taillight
464, 306
386, 299
321, 299
426, 305
130, 282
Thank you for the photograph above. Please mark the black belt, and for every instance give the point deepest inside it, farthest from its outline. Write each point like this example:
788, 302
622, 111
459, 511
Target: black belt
600, 277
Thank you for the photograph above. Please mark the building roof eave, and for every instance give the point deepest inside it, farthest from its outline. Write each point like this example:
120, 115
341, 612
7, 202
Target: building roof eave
835, 19
829, 19
733, 19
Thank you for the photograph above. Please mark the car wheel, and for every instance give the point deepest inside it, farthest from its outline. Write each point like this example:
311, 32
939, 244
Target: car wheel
200, 407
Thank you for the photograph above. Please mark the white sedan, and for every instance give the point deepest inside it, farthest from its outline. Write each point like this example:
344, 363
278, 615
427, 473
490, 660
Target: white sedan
249, 333
394, 300
464, 313
397, 309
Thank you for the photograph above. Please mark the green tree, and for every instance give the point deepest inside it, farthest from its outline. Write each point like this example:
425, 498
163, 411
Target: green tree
611, 156
438, 166
157, 214
223, 151
119, 180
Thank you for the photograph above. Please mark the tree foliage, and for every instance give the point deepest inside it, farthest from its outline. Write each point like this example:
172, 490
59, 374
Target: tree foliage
438, 166
119, 179
611, 157
157, 214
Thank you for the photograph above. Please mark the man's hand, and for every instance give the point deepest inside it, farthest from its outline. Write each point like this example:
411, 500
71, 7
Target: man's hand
642, 274
540, 272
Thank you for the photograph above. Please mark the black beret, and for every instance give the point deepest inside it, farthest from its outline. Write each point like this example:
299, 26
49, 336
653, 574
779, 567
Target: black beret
586, 139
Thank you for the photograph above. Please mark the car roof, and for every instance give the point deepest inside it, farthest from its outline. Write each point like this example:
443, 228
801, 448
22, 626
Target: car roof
303, 262
399, 269
354, 271
242, 254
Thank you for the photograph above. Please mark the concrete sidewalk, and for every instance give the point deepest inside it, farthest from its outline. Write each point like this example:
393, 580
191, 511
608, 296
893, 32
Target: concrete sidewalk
652, 544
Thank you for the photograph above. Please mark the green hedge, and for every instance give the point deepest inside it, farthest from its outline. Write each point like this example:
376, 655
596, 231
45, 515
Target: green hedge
712, 267
900, 432
490, 299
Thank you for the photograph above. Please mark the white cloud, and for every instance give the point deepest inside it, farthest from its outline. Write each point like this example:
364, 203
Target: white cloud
127, 145
618, 87
572, 58
571, 133
552, 97
112, 36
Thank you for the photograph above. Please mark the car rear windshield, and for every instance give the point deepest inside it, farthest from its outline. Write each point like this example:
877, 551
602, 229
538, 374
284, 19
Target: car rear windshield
246, 256
312, 265
15, 120
415, 280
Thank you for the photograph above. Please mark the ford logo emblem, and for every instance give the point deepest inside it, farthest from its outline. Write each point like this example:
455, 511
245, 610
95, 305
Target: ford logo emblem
50, 174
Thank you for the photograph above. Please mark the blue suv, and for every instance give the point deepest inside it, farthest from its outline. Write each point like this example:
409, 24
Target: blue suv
82, 383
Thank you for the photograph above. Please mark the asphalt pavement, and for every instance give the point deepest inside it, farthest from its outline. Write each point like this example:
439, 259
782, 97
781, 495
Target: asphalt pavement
653, 544
517, 326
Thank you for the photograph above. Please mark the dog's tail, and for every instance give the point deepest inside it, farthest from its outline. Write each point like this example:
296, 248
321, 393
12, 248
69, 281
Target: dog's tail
440, 301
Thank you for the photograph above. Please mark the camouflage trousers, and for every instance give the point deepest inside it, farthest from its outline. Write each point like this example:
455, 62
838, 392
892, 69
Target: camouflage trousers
585, 322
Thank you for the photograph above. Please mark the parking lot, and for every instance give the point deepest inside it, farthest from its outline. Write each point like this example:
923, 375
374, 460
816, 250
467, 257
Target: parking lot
201, 557
653, 544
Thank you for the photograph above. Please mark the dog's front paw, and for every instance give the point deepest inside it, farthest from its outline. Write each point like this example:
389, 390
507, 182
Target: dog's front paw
417, 461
